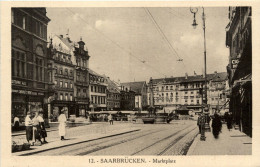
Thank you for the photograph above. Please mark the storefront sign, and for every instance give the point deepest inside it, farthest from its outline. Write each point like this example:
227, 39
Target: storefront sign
16, 82
27, 92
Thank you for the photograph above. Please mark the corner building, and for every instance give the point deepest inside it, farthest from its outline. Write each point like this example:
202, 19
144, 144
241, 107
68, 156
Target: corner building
29, 61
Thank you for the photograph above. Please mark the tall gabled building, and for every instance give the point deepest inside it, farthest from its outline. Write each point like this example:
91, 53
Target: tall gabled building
29, 61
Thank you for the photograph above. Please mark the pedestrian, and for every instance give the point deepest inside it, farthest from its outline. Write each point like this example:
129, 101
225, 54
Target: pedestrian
16, 123
36, 130
42, 126
229, 120
62, 125
28, 127
110, 119
201, 123
216, 125
198, 122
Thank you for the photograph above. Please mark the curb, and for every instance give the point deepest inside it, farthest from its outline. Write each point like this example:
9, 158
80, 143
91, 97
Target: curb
77, 142
193, 145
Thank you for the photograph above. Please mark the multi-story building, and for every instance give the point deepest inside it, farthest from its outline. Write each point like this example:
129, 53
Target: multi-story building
239, 41
127, 98
174, 92
140, 89
61, 74
29, 61
81, 79
113, 95
97, 91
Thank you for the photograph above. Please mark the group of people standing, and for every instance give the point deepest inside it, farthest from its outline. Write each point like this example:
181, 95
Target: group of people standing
216, 123
35, 128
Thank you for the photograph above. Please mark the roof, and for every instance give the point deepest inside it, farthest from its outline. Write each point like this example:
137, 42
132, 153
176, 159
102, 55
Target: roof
195, 78
70, 44
135, 86
94, 73
112, 87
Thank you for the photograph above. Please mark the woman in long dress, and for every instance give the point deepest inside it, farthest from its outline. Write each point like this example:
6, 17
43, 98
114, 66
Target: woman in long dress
62, 126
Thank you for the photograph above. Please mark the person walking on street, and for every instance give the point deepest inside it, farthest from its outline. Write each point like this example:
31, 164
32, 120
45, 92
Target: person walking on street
42, 126
28, 128
216, 125
62, 126
198, 123
110, 119
36, 130
229, 121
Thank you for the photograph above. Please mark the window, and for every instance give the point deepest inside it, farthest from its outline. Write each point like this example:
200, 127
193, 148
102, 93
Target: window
166, 87
84, 90
24, 21
171, 87
191, 92
55, 82
66, 84
78, 92
61, 96
192, 101
186, 92
166, 94
71, 73
176, 93
61, 84
66, 72
186, 86
171, 94
186, 101
162, 94
198, 101
212, 99
71, 97
66, 97
71, 86
60, 71
91, 88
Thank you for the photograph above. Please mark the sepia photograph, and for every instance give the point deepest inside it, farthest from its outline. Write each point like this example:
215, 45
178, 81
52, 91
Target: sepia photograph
131, 81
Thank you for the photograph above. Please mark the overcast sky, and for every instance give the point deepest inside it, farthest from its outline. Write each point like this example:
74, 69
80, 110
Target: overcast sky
125, 44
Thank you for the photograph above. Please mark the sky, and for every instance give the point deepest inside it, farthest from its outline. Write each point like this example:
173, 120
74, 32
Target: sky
125, 43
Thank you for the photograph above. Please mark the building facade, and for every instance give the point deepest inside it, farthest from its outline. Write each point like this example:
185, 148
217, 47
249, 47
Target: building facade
113, 95
29, 61
61, 74
81, 79
97, 91
239, 41
140, 90
175, 92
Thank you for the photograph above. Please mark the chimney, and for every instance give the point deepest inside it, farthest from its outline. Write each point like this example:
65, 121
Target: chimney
195, 73
186, 75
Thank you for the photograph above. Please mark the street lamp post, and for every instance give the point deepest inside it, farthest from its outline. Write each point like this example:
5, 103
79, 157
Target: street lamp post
202, 119
194, 24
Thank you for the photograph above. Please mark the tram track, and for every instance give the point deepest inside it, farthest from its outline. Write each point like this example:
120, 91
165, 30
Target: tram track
160, 141
119, 142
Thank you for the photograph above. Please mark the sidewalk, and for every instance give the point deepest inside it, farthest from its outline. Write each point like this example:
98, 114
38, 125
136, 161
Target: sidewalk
231, 142
78, 135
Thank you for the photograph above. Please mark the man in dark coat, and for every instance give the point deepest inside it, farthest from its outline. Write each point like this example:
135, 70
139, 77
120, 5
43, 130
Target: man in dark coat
229, 120
216, 125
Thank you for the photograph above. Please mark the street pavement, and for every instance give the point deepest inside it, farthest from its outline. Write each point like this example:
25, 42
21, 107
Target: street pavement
231, 142
122, 138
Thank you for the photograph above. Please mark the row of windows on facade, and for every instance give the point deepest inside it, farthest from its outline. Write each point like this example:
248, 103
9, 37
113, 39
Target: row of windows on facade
96, 79
115, 96
22, 20
98, 89
66, 96
198, 85
176, 100
98, 99
25, 69
62, 57
66, 71
113, 104
66, 84
81, 62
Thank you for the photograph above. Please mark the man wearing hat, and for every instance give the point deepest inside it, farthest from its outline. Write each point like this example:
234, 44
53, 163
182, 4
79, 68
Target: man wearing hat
42, 126
28, 127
